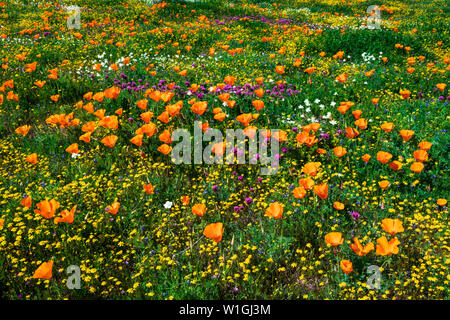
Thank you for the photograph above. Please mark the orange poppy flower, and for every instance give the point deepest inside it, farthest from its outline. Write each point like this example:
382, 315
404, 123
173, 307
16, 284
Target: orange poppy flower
154, 95
334, 239
339, 151
88, 127
351, 133
166, 137
185, 200
47, 208
98, 96
346, 266
146, 116
26, 202
395, 165
406, 134
137, 140
112, 93
299, 192
357, 114
142, 104
361, 123
321, 190
385, 248
280, 69
259, 92
110, 141
375, 101
338, 205
220, 116
441, 202
258, 104
245, 118
214, 231
425, 145
148, 188
44, 271
275, 210
31, 158
306, 183
392, 226
73, 148
384, 157
86, 137
66, 216
405, 93
420, 155
417, 167
384, 184
359, 249
114, 208
23, 130
164, 117
342, 78
199, 107
311, 168
387, 126
199, 209
229, 80
441, 86
164, 148
366, 157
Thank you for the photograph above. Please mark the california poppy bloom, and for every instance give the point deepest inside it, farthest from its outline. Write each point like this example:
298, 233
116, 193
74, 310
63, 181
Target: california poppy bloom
384, 184
258, 104
384, 157
387, 126
214, 231
164, 149
420, 155
110, 141
148, 188
73, 148
366, 157
112, 93
406, 134
299, 192
199, 107
338, 205
306, 183
359, 249
185, 200
334, 239
321, 190
441, 202
346, 266
339, 151
280, 69
47, 208
44, 271
26, 202
425, 145
311, 168
441, 86
137, 140
66, 216
114, 208
395, 165
199, 209
417, 167
23, 130
405, 93
385, 248
275, 210
351, 133
31, 158
142, 104
392, 226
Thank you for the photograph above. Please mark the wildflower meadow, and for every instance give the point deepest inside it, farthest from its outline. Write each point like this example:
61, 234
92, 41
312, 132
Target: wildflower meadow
212, 150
